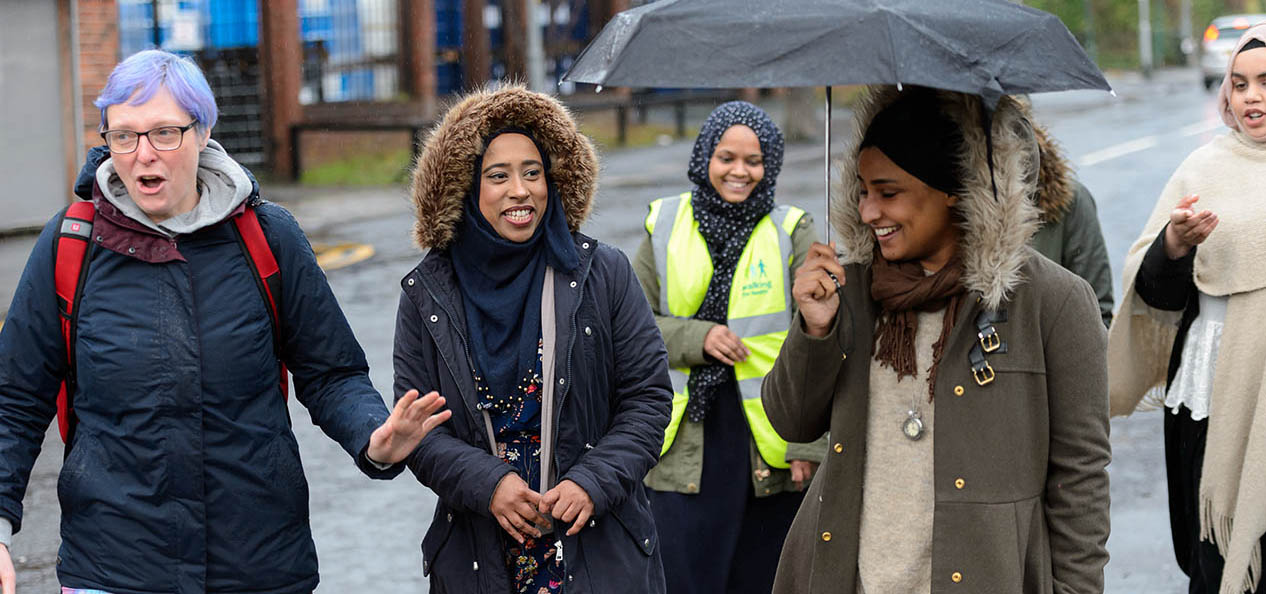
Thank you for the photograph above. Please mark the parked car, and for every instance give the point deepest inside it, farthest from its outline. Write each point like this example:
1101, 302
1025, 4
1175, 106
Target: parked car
1219, 41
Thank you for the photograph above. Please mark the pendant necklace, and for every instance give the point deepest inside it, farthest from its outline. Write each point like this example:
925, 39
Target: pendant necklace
912, 427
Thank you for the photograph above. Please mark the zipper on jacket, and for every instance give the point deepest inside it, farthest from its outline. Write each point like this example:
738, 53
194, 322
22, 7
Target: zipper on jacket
461, 335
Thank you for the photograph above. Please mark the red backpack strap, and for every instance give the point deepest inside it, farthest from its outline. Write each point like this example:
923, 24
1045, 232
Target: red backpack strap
70, 266
267, 276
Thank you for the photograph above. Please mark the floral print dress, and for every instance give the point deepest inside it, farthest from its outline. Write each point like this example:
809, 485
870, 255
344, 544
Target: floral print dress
536, 566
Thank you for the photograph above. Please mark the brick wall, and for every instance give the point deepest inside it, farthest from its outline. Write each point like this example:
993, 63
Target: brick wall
98, 53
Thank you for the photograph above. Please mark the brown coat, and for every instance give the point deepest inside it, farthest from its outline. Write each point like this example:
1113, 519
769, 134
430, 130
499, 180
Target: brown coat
1021, 487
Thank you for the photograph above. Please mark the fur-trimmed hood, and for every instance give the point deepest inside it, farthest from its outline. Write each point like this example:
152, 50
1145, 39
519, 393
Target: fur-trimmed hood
995, 231
1056, 190
445, 172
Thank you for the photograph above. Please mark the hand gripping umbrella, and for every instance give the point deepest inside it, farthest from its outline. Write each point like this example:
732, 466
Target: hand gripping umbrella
989, 48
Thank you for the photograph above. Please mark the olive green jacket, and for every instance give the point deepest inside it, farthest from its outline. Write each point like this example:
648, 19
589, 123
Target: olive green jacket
1021, 487
1074, 241
680, 468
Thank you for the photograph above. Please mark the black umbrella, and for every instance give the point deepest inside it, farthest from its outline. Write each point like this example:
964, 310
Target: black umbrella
985, 47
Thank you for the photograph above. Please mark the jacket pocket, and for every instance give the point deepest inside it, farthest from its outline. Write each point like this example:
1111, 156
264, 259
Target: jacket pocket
976, 546
288, 470
436, 537
637, 523
84, 459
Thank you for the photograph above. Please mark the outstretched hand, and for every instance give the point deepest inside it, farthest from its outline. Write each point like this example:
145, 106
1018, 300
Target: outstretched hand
1187, 228
410, 421
570, 503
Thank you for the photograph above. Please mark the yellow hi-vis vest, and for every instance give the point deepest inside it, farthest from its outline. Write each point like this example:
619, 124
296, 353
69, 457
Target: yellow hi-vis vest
760, 303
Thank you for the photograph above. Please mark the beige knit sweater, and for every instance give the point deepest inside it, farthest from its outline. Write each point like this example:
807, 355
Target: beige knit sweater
1227, 174
898, 496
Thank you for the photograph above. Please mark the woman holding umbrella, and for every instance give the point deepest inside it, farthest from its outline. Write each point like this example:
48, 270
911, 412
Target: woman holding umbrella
547, 352
716, 266
1190, 326
962, 376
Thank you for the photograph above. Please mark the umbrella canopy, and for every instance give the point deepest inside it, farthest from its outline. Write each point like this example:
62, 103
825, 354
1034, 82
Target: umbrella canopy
985, 47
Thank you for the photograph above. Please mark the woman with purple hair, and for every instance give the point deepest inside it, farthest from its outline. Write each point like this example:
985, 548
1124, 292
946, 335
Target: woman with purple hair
181, 471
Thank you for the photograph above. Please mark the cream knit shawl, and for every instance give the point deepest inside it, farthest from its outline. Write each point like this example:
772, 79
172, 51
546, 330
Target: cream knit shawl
1227, 174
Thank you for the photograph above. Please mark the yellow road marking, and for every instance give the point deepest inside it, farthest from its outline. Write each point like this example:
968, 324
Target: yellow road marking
342, 255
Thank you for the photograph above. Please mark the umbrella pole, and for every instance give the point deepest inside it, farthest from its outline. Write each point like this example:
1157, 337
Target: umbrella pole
827, 164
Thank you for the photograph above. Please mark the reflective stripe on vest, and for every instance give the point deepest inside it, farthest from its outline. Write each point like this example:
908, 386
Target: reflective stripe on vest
759, 309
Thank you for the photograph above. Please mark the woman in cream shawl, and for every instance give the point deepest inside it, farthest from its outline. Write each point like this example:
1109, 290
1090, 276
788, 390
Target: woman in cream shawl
1189, 333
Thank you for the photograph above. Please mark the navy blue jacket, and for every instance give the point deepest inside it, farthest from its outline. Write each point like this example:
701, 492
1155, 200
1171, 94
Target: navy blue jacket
184, 475
612, 403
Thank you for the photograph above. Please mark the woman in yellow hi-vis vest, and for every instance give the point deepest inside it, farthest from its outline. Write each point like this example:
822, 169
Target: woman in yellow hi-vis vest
716, 266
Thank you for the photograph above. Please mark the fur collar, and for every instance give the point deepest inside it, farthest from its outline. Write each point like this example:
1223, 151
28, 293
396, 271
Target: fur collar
444, 172
995, 232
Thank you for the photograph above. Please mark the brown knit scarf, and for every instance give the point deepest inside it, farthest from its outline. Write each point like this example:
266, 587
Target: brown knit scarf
902, 290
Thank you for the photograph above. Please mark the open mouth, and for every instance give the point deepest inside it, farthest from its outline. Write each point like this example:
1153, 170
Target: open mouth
737, 186
885, 232
150, 183
1254, 116
519, 215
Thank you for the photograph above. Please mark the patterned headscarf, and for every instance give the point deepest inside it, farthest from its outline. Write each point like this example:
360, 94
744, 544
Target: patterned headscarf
726, 228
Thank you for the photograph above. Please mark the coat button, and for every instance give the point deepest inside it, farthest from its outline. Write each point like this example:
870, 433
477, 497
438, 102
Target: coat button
450, 517
573, 284
646, 543
131, 250
959, 483
410, 281
434, 318
826, 537
839, 448
692, 488
956, 577
585, 245
958, 390
588, 331
562, 381
99, 240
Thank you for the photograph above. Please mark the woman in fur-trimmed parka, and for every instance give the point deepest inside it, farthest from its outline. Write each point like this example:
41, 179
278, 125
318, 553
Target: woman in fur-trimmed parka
539, 472
963, 379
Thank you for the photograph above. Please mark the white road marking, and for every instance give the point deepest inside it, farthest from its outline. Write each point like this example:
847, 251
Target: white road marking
1201, 127
1118, 150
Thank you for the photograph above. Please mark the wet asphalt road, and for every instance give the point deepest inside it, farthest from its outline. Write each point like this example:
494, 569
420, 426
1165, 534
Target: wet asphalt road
367, 533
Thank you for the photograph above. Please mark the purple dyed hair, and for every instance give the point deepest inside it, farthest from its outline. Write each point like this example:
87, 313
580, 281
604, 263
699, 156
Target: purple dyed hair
142, 74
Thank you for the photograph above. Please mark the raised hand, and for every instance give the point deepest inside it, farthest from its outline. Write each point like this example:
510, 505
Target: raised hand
568, 502
410, 421
815, 291
514, 505
1187, 228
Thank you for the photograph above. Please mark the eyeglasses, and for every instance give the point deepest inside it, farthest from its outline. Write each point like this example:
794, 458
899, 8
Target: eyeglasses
162, 138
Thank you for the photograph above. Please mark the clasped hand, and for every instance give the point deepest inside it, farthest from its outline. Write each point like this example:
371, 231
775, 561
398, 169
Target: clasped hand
522, 512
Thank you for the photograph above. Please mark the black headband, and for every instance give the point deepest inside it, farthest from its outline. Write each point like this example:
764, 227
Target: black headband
1252, 44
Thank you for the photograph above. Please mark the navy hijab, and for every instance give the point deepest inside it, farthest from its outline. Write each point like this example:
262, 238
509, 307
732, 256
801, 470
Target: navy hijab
500, 282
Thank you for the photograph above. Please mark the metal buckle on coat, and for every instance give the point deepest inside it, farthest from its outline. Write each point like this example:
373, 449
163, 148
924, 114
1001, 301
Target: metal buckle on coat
990, 341
981, 371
